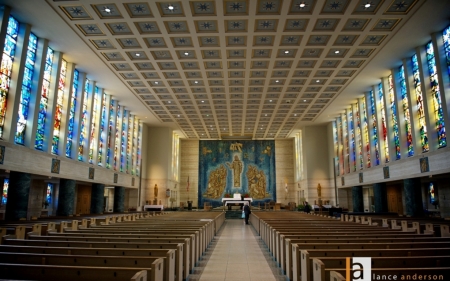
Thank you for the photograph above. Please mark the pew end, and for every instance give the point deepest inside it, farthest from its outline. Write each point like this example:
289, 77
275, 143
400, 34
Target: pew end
140, 276
336, 276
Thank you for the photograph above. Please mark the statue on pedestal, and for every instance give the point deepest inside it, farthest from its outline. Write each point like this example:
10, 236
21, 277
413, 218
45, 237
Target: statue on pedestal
155, 191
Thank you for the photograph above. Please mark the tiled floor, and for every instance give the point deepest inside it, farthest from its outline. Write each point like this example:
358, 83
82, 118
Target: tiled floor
237, 253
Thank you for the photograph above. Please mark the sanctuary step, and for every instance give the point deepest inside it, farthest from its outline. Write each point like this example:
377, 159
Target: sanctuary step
233, 214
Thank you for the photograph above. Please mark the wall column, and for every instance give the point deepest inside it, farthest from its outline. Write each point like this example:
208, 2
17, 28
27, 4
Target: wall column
97, 194
119, 199
413, 197
18, 192
380, 197
358, 200
66, 197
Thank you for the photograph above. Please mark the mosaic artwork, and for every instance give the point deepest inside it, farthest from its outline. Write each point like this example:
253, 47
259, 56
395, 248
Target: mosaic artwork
229, 167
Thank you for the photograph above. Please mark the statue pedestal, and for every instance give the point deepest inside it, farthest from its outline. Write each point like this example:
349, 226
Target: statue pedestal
155, 201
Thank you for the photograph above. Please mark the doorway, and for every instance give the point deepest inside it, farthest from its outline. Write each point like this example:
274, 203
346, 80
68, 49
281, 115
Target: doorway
84, 199
394, 196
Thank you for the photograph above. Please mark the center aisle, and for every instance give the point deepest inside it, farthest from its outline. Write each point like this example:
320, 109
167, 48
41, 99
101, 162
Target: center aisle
239, 254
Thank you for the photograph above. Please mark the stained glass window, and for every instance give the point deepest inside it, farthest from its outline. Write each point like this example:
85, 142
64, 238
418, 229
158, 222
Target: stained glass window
352, 139
436, 95
373, 114
394, 117
129, 144
446, 38
138, 154
117, 139
365, 127
420, 107
102, 132
92, 141
298, 156
346, 143
123, 140
25, 94
43, 104
341, 146
359, 136
406, 114
432, 193
110, 138
9, 49
59, 107
5, 191
73, 105
84, 120
175, 156
48, 195
336, 147
383, 122
135, 142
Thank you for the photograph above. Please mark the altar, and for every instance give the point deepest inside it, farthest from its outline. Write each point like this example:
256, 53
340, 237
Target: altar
153, 207
237, 200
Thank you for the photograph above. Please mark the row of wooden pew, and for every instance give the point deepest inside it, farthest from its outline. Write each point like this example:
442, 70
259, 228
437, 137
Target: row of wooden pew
321, 248
139, 246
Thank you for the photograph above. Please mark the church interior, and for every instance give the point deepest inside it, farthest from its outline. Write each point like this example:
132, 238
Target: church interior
168, 117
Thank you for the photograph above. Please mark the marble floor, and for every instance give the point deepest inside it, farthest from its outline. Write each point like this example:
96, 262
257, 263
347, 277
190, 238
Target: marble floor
237, 253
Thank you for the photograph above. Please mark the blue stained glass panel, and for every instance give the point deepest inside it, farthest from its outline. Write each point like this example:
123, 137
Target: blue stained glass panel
71, 123
446, 39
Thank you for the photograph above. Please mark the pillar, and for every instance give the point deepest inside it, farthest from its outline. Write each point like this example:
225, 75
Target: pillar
66, 197
119, 199
18, 192
413, 197
97, 195
357, 197
380, 197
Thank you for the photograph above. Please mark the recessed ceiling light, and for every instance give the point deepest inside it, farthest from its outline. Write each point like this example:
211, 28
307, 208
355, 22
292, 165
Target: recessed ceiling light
178, 115
265, 115
304, 100
286, 52
367, 5
138, 55
169, 102
336, 52
186, 53
108, 10
196, 82
317, 81
276, 81
156, 82
203, 101
302, 5
270, 100
295, 114
170, 7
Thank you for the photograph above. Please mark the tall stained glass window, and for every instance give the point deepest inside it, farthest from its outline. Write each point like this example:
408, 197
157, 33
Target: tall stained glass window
298, 156
123, 140
73, 105
365, 127
420, 107
436, 95
406, 114
359, 137
346, 143
336, 147
383, 122
175, 156
117, 140
43, 104
12, 32
84, 120
110, 137
92, 141
25, 94
129, 144
341, 146
49, 193
102, 132
135, 142
138, 153
446, 38
352, 139
394, 117
5, 191
373, 115
59, 107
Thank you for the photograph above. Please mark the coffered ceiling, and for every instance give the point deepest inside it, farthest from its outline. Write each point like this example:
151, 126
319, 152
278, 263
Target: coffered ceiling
214, 69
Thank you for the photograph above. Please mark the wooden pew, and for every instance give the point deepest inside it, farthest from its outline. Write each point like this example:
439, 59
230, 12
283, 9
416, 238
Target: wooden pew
303, 268
169, 256
154, 266
322, 265
70, 273
182, 265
